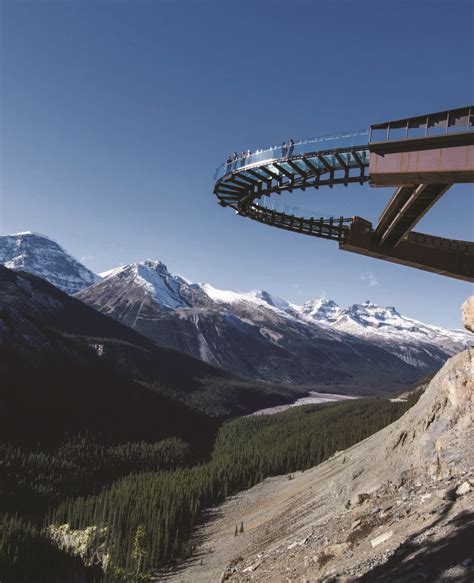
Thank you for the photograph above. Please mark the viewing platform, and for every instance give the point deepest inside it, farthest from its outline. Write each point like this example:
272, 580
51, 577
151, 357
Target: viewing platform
422, 156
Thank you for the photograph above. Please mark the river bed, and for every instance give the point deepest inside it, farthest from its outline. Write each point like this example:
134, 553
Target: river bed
312, 398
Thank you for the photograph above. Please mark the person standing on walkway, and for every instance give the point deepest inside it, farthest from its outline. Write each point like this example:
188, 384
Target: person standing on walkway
283, 150
291, 147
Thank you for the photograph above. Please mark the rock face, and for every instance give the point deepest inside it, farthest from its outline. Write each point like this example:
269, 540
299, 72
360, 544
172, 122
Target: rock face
468, 314
395, 507
434, 439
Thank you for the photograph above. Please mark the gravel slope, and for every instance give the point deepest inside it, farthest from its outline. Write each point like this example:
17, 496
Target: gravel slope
397, 506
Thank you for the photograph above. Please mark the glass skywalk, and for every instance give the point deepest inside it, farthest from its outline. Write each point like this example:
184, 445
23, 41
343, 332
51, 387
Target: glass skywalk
300, 148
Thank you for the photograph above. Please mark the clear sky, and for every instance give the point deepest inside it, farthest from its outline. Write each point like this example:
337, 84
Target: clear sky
114, 116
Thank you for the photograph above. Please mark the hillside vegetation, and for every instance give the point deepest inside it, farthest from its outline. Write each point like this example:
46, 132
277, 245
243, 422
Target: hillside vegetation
147, 514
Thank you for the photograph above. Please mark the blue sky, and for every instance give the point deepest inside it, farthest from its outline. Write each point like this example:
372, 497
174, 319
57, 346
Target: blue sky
115, 114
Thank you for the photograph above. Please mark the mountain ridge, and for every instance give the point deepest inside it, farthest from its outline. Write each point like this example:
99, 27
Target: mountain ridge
255, 334
420, 345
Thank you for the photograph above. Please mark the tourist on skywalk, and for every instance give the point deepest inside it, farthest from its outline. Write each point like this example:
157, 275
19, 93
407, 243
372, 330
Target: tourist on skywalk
235, 158
291, 145
228, 164
283, 150
242, 158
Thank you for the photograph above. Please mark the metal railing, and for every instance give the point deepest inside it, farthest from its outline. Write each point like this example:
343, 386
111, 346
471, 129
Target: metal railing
440, 123
277, 206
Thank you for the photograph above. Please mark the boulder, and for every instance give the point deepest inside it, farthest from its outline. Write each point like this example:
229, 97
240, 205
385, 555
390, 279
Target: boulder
468, 314
463, 488
381, 538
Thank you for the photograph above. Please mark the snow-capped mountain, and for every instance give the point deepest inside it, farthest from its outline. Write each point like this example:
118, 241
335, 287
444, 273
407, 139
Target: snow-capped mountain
43, 257
155, 279
258, 297
412, 341
368, 318
321, 310
261, 336
254, 334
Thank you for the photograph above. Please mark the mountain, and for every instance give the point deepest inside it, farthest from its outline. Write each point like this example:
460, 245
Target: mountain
66, 368
254, 335
43, 257
421, 345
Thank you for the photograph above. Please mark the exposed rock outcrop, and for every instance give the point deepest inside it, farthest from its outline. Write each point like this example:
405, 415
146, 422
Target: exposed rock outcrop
468, 314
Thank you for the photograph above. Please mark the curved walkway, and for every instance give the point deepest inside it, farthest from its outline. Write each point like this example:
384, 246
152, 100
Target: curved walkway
242, 182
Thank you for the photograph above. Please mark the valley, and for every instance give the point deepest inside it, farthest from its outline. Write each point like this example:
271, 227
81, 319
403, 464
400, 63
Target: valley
143, 383
405, 516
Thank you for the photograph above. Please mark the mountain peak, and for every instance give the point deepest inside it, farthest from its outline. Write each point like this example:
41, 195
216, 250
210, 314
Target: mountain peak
368, 308
153, 278
258, 296
322, 310
150, 268
137, 267
153, 264
42, 256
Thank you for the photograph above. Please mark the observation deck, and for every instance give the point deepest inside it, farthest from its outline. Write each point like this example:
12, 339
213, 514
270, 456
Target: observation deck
422, 156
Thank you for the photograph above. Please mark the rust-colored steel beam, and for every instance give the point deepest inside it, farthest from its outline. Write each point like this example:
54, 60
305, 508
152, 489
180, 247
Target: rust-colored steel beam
447, 257
398, 199
446, 164
406, 210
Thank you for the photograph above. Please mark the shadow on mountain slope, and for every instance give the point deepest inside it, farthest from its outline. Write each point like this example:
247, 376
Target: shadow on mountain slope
423, 558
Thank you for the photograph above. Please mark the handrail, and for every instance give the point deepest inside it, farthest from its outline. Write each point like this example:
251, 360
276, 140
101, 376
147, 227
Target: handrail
440, 123
306, 145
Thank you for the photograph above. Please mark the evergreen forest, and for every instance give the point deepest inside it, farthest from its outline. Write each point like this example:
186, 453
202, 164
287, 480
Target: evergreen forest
117, 512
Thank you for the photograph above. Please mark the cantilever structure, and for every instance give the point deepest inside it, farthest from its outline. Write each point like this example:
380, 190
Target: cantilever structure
422, 157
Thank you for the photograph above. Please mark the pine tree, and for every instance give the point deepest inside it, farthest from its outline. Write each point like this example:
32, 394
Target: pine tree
139, 550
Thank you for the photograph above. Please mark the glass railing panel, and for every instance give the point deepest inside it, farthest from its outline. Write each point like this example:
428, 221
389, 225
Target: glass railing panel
436, 124
379, 135
398, 133
459, 120
328, 142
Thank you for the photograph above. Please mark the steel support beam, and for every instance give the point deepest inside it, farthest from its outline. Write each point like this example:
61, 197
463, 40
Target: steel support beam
280, 168
406, 209
447, 257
